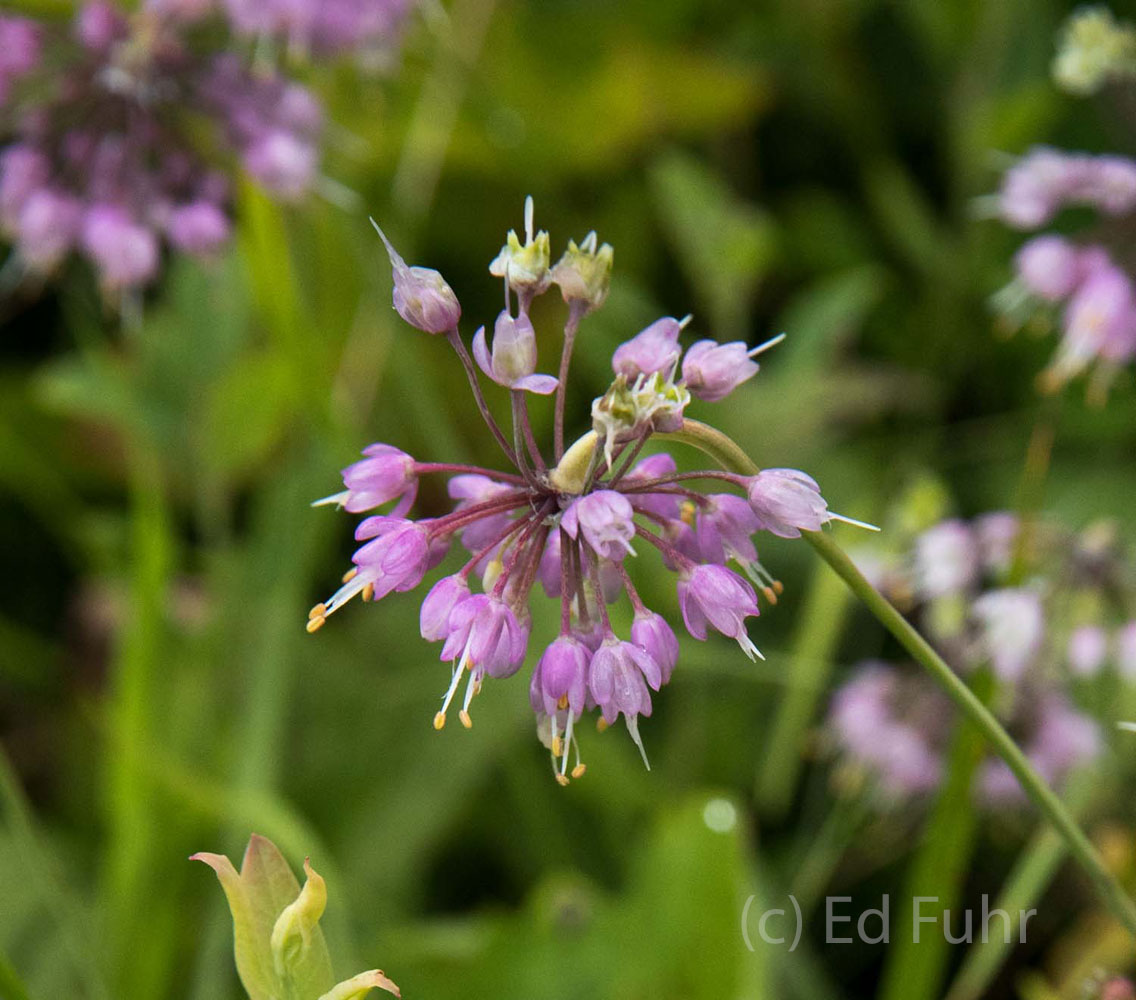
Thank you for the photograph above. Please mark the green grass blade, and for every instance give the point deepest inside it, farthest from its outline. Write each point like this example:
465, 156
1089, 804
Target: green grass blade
1032, 874
914, 970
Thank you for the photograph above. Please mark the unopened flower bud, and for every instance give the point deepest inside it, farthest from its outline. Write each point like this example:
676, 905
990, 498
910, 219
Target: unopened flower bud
421, 295
712, 370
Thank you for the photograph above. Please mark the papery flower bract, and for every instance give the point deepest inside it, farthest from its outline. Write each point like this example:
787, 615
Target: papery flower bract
787, 502
712, 371
421, 295
713, 595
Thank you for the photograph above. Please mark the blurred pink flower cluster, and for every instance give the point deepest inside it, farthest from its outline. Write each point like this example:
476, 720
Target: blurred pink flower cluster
1049, 615
1082, 283
121, 132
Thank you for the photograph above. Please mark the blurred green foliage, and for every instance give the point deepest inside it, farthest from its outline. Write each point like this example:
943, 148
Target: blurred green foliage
802, 167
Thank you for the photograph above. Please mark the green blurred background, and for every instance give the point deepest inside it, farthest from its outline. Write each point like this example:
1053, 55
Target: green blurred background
808, 167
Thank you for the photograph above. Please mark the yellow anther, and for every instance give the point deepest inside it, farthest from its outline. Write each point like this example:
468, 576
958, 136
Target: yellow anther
601, 724
369, 592
561, 779
562, 702
778, 586
350, 574
440, 720
557, 746
686, 512
315, 624
465, 719
578, 770
770, 594
318, 611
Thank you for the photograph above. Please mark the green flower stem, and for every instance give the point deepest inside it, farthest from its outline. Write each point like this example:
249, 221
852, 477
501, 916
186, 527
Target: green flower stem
731, 457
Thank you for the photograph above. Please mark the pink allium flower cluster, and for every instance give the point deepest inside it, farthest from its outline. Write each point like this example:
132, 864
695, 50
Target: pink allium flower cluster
1046, 180
120, 143
989, 598
322, 26
20, 47
895, 726
570, 518
1081, 285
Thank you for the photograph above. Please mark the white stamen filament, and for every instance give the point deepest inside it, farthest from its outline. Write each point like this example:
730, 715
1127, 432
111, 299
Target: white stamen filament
355, 585
567, 744
528, 219
454, 681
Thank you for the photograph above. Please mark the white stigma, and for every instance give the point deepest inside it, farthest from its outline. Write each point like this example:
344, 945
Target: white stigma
762, 348
339, 499
852, 521
528, 219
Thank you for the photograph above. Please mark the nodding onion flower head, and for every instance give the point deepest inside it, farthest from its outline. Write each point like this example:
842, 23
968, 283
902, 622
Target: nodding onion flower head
567, 518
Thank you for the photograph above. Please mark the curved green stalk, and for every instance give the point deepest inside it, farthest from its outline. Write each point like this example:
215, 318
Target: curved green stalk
731, 457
